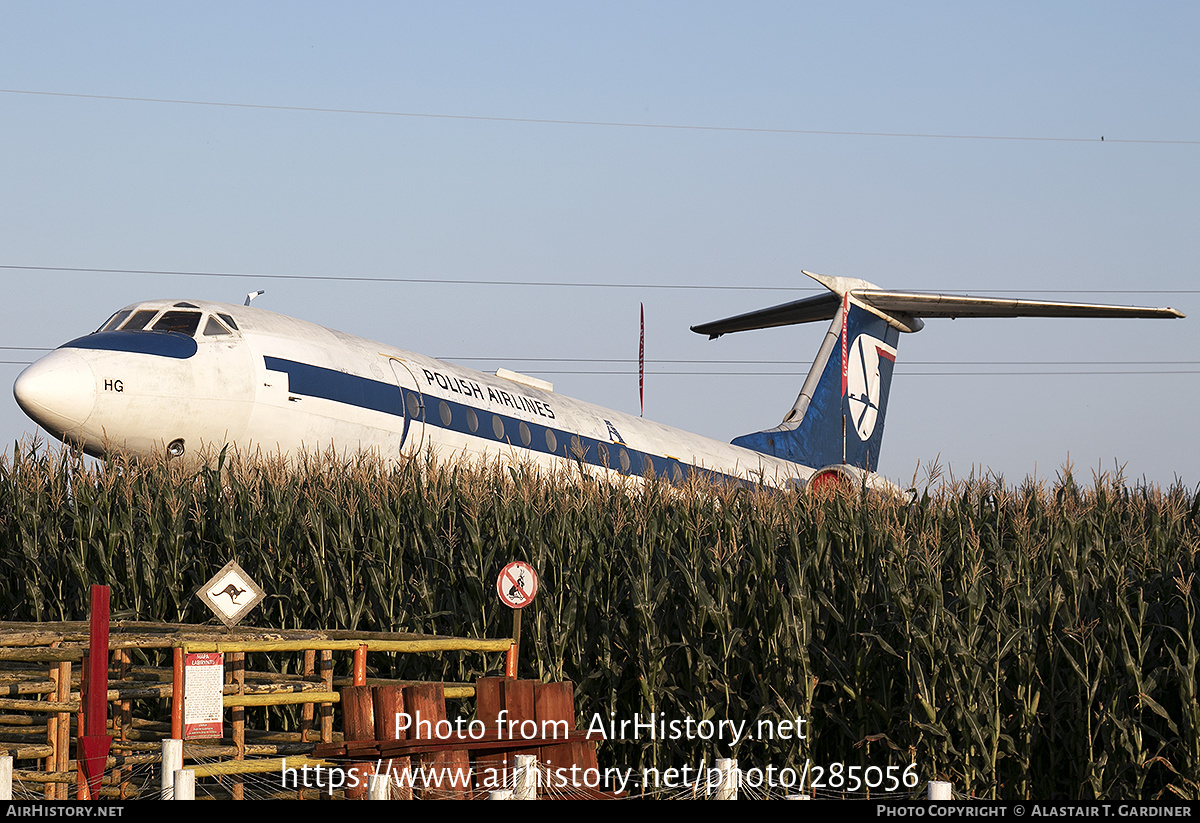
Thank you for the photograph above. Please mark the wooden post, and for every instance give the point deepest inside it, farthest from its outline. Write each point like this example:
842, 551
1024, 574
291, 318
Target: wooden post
306, 711
63, 747
50, 791
122, 717
81, 790
360, 665
237, 662
327, 708
510, 659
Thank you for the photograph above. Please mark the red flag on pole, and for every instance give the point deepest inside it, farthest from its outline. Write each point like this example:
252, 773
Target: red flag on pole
642, 361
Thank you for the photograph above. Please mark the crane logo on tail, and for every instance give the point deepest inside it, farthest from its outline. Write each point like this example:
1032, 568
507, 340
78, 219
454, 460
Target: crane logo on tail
863, 381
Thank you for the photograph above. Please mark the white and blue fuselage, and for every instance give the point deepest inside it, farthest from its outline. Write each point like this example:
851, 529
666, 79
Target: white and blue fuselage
193, 377
213, 375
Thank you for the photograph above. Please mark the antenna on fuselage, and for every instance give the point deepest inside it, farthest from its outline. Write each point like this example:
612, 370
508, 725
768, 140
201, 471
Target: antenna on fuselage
253, 295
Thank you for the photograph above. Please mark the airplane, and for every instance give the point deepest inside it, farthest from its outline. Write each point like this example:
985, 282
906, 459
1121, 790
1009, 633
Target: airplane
182, 376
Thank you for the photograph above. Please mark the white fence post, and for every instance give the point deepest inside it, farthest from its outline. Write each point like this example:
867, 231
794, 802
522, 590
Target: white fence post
940, 790
727, 789
185, 784
525, 778
379, 787
172, 761
6, 766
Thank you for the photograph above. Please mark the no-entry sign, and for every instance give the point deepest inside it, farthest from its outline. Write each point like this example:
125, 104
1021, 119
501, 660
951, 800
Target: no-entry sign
516, 585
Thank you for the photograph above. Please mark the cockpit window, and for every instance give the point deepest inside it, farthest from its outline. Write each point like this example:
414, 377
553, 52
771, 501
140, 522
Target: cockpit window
181, 322
213, 327
139, 320
173, 320
114, 321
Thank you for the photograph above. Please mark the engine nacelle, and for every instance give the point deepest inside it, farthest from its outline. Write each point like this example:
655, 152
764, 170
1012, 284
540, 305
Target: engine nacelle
843, 477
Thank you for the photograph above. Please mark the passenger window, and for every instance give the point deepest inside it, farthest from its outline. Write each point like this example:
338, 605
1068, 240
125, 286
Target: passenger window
180, 322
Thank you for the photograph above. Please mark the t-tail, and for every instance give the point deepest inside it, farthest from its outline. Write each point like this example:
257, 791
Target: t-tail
837, 420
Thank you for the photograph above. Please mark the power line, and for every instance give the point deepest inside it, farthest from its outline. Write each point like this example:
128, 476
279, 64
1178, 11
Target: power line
898, 372
342, 278
804, 362
606, 123
438, 280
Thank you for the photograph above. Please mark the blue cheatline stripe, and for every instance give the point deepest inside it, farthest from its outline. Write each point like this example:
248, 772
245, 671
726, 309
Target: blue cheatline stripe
329, 384
160, 343
366, 393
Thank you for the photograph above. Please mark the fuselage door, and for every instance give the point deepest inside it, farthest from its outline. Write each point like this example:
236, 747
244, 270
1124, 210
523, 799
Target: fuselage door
413, 438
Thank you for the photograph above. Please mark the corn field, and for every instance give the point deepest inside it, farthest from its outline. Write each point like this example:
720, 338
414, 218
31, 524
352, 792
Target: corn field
1031, 641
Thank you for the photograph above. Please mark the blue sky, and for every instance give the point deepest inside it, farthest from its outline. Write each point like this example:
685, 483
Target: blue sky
128, 185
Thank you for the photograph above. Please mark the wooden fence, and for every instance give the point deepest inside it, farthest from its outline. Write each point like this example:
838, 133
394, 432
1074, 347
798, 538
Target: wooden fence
41, 711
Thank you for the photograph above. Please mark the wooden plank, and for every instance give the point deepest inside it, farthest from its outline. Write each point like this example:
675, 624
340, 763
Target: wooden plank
358, 713
555, 712
358, 727
426, 706
493, 768
389, 705
521, 722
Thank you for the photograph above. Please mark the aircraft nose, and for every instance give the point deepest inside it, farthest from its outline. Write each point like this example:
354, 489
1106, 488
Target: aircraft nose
58, 391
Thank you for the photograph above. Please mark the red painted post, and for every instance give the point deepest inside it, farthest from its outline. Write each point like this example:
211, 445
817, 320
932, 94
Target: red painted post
95, 743
360, 665
177, 694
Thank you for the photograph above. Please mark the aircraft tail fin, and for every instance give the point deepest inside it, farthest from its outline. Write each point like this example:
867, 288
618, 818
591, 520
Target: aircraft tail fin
838, 416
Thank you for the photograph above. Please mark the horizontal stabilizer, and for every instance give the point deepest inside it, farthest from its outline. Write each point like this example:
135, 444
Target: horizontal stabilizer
904, 310
950, 305
821, 307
